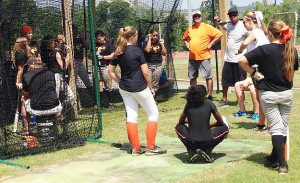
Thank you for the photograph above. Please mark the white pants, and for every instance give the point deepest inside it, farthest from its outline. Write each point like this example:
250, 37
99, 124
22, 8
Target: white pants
60, 87
145, 99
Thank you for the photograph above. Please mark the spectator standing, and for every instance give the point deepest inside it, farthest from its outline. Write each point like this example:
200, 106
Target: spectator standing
277, 63
136, 89
154, 49
27, 32
232, 72
22, 54
257, 37
104, 52
199, 38
79, 46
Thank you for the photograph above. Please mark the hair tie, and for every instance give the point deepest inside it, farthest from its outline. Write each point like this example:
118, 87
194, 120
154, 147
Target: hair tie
285, 34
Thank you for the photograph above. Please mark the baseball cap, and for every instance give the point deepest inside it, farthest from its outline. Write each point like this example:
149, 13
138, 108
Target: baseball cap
232, 10
25, 30
196, 12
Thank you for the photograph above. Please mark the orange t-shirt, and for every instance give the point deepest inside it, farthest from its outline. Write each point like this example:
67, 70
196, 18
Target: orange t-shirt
199, 37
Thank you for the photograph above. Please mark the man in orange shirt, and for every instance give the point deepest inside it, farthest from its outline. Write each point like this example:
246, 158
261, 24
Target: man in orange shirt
199, 38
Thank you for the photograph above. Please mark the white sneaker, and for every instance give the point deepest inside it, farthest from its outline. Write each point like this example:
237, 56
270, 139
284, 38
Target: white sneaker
225, 121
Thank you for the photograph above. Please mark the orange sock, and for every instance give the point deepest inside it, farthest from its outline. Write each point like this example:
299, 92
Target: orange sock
151, 133
133, 134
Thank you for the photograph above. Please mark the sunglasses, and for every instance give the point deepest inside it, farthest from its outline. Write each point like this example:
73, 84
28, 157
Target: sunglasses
196, 16
233, 15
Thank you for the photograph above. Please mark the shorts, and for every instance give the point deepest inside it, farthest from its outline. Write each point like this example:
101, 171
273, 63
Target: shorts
202, 66
232, 73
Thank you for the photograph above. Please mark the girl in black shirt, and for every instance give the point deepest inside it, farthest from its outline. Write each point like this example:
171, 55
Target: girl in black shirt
22, 54
135, 88
200, 137
154, 49
277, 62
105, 52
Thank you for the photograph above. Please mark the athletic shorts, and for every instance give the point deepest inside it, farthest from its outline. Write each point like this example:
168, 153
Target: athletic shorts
202, 66
232, 73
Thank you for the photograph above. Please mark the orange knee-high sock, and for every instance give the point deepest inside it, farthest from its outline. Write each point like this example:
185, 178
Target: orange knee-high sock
151, 133
133, 134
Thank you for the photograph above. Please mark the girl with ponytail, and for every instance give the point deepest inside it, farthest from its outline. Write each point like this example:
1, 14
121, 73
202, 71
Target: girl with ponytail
136, 89
277, 63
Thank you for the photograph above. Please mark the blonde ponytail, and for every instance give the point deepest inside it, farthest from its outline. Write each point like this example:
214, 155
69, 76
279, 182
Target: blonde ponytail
123, 38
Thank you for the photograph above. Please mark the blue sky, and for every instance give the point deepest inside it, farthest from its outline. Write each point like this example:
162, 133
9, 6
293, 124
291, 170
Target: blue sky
197, 3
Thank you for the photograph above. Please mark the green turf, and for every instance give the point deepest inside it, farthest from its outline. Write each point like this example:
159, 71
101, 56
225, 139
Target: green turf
118, 166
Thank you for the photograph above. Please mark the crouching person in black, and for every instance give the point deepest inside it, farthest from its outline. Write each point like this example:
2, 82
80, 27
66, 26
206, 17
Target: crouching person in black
200, 137
41, 100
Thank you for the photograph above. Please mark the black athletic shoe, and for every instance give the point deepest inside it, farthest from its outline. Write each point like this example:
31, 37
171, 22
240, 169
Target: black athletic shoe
205, 155
271, 164
258, 127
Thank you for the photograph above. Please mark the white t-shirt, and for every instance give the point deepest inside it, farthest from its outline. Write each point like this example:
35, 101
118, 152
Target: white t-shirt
260, 39
236, 34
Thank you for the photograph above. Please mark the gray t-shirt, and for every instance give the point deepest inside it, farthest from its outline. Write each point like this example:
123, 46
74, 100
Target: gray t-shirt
236, 34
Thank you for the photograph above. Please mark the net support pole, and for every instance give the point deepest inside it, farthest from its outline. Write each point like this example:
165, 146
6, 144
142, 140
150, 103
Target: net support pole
14, 164
67, 25
94, 57
215, 48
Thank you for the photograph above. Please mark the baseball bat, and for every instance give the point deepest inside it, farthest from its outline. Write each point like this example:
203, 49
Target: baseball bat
16, 115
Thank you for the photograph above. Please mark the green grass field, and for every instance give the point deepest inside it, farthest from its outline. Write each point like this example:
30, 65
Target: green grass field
249, 169
181, 65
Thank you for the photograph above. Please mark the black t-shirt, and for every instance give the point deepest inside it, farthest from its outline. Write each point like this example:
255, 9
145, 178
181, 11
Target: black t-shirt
21, 59
269, 59
154, 56
104, 50
78, 48
199, 119
40, 84
132, 78
34, 48
53, 64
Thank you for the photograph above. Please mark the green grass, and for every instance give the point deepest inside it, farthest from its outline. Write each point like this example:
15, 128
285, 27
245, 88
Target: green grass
249, 169
114, 130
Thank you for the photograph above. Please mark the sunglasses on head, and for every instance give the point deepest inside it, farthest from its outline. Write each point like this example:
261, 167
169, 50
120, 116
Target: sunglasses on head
196, 16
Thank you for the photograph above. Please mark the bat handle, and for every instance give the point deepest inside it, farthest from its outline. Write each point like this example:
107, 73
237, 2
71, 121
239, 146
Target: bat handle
16, 122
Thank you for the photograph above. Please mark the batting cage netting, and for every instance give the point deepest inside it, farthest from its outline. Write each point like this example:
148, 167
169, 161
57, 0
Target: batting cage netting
64, 104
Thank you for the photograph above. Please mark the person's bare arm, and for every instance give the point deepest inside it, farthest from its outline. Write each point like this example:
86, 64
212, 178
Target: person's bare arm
219, 119
109, 57
250, 38
183, 118
163, 48
148, 45
187, 44
19, 77
245, 65
214, 41
113, 74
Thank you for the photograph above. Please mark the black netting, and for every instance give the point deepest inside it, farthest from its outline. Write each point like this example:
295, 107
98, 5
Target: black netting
78, 119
